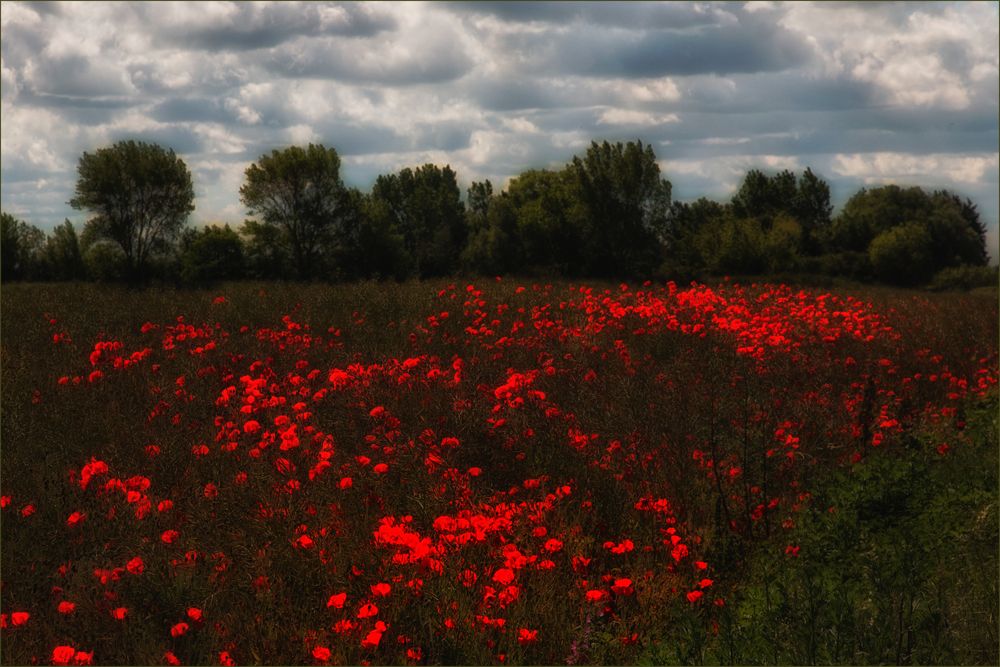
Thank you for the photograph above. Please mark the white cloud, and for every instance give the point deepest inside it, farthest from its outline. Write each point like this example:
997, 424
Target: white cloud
633, 117
884, 167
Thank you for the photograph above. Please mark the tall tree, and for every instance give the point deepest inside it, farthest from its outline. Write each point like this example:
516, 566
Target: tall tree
62, 253
299, 191
22, 246
424, 205
628, 204
140, 194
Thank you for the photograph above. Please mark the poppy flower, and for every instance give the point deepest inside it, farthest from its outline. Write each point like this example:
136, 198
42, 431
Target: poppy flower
169, 536
380, 469
525, 636
194, 613
503, 576
179, 629
66, 607
623, 586
705, 583
83, 658
171, 659
337, 600
367, 610
694, 596
381, 590
595, 595
226, 659
119, 613
75, 518
136, 566
61, 655
321, 653
19, 618
346, 483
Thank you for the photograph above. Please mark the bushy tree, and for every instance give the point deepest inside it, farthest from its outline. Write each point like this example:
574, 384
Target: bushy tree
140, 195
63, 257
424, 206
903, 254
211, 253
683, 258
371, 246
299, 193
550, 230
627, 203
22, 246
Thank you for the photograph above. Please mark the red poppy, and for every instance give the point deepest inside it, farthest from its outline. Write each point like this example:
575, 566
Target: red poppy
525, 636
119, 613
171, 659
337, 600
179, 629
136, 566
61, 655
169, 536
66, 607
503, 576
321, 653
367, 610
19, 618
226, 659
381, 590
694, 596
194, 613
75, 518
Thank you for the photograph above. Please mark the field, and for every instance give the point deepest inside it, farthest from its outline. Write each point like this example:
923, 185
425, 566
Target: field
498, 472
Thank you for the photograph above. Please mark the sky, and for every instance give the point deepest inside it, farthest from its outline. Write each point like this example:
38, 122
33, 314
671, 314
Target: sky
863, 93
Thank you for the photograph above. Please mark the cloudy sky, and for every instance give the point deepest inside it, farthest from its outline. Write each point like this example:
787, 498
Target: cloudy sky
863, 93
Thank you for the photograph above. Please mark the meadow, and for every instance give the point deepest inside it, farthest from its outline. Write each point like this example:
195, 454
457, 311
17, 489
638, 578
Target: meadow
498, 472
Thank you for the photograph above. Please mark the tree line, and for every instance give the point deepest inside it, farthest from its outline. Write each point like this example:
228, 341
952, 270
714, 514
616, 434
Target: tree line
606, 214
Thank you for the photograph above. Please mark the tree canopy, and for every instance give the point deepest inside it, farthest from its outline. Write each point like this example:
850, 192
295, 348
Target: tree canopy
140, 195
299, 191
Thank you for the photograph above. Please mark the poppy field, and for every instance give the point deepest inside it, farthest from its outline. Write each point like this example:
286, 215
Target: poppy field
498, 472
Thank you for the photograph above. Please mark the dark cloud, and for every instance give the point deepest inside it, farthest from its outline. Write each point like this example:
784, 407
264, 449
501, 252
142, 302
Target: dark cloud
434, 62
250, 25
192, 110
645, 15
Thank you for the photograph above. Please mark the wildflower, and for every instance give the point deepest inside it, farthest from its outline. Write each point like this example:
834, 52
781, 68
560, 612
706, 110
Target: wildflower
61, 655
119, 613
694, 596
226, 659
337, 600
75, 518
367, 610
19, 618
503, 576
381, 590
170, 658
169, 536
179, 629
194, 613
66, 607
525, 636
136, 566
321, 653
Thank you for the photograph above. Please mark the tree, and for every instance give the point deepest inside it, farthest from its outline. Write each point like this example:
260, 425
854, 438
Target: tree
628, 205
903, 254
63, 256
211, 253
299, 192
23, 247
425, 207
551, 221
683, 259
140, 194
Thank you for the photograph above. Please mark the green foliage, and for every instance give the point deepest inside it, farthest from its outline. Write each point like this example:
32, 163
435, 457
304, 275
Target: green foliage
210, 254
265, 251
627, 205
897, 562
299, 192
550, 221
903, 255
23, 246
965, 277
140, 195
63, 257
425, 207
